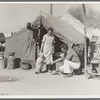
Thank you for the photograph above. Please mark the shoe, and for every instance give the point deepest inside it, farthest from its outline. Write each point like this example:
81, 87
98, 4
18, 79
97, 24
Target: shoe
94, 71
49, 71
68, 75
37, 72
59, 72
45, 71
54, 73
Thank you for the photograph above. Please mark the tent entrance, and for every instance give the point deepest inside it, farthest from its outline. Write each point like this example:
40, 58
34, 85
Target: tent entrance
58, 42
43, 31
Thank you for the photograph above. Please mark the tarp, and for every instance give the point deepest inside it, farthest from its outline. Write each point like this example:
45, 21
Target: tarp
75, 23
22, 42
61, 29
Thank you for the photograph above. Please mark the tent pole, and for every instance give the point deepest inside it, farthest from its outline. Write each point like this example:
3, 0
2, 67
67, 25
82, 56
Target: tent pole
35, 48
39, 36
39, 32
38, 47
35, 44
51, 9
85, 42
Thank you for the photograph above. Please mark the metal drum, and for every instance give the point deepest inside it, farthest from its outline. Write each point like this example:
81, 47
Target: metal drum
2, 61
11, 60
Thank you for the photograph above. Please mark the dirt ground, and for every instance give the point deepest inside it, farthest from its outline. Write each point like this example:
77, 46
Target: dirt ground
29, 83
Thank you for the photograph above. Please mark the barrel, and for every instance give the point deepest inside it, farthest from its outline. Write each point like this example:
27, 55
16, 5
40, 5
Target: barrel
2, 61
10, 64
11, 60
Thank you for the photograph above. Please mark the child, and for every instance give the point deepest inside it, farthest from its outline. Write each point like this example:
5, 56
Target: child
40, 62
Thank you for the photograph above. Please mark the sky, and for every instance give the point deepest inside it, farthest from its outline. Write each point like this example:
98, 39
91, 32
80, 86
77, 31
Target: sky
15, 16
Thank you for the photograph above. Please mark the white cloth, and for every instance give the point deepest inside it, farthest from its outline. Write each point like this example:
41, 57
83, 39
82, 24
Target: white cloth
3, 44
48, 48
39, 63
69, 66
0, 44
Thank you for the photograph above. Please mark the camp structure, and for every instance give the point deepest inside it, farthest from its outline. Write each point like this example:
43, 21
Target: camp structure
25, 41
75, 23
96, 32
94, 42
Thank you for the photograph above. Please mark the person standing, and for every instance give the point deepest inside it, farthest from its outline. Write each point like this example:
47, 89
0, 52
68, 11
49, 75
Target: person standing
47, 47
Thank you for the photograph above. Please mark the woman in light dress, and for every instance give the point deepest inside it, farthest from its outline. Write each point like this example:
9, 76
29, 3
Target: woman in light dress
47, 47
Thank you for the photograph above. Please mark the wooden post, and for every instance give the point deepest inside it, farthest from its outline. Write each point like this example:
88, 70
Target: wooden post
51, 9
85, 42
35, 49
39, 32
38, 45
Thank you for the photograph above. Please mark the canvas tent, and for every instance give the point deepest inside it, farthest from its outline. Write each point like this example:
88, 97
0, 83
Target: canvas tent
75, 23
96, 32
22, 42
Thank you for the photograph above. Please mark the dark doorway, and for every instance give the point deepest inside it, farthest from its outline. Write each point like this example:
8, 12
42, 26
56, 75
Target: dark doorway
42, 33
58, 42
